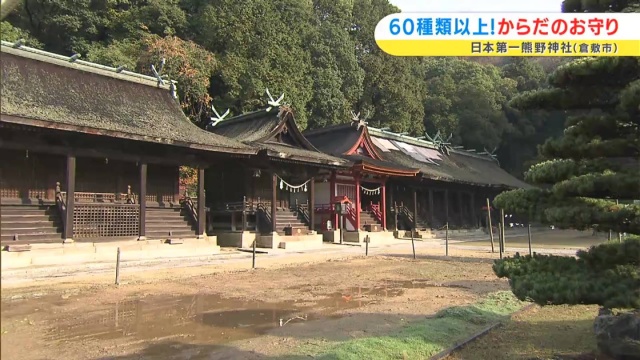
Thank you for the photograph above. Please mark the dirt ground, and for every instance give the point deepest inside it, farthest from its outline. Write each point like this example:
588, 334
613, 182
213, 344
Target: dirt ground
237, 315
556, 239
564, 332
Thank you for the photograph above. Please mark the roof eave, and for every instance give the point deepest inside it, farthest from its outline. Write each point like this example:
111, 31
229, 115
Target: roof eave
12, 119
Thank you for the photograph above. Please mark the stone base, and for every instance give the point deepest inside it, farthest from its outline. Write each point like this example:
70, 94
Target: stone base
294, 242
236, 239
87, 252
376, 237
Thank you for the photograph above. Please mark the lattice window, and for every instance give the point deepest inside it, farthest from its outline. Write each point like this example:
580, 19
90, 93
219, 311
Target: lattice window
105, 220
347, 190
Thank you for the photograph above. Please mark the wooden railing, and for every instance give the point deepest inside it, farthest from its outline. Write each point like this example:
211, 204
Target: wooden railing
375, 210
303, 210
61, 206
190, 205
97, 197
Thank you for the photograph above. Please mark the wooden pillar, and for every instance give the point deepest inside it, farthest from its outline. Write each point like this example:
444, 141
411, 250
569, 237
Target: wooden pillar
142, 201
202, 216
432, 220
71, 190
383, 206
460, 208
332, 196
274, 198
415, 209
312, 203
474, 218
392, 204
358, 206
446, 206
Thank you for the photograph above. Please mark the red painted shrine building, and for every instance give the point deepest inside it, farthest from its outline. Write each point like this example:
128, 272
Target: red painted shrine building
364, 182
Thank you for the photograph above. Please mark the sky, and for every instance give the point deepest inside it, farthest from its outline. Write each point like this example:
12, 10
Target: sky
478, 5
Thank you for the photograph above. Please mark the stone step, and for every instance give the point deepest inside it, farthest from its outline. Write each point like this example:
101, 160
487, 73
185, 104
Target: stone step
174, 234
172, 220
32, 237
28, 228
167, 228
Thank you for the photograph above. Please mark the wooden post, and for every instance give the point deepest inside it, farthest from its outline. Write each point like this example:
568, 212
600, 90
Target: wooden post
489, 225
71, 190
244, 213
395, 215
358, 206
118, 267
202, 216
446, 239
332, 196
274, 197
392, 203
142, 201
529, 233
446, 206
472, 200
415, 209
500, 239
312, 204
432, 218
460, 209
383, 209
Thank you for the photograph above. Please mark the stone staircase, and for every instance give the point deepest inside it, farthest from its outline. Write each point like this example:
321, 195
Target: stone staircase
165, 223
367, 218
286, 218
24, 224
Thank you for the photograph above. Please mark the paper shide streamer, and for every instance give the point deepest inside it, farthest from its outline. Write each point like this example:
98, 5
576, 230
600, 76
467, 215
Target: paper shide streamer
367, 191
293, 188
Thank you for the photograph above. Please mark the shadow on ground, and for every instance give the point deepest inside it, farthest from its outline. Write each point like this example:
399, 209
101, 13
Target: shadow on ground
562, 333
442, 257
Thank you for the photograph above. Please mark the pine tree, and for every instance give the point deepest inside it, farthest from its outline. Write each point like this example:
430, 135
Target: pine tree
590, 176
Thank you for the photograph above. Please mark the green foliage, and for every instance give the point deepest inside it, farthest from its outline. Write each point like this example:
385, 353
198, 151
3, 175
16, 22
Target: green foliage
13, 34
321, 53
606, 275
425, 338
583, 172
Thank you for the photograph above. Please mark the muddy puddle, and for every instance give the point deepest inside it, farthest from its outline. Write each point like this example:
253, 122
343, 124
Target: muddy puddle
212, 319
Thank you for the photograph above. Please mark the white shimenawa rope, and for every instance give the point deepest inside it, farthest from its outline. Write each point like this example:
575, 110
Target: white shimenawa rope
293, 188
375, 191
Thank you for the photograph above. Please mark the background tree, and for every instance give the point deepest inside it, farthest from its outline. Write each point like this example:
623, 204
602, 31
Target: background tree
321, 53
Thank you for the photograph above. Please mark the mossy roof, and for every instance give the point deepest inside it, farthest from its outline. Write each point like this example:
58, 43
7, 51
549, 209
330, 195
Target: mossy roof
47, 91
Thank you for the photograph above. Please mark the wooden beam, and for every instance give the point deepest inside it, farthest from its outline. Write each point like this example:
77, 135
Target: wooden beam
71, 190
202, 216
142, 201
